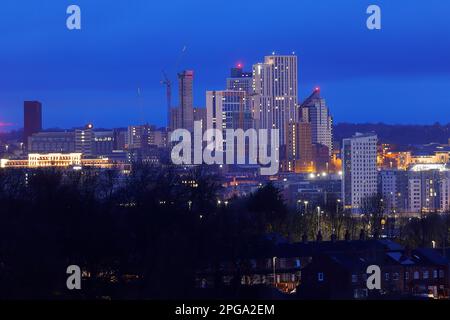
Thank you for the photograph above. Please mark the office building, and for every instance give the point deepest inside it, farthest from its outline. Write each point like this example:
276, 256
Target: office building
144, 136
32, 119
52, 142
103, 143
240, 80
315, 111
84, 138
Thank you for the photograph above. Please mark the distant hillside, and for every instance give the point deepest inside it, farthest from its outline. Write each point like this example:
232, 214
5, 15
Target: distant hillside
396, 134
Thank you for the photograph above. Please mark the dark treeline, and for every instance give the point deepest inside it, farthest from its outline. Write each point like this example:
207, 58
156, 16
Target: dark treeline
146, 234
397, 134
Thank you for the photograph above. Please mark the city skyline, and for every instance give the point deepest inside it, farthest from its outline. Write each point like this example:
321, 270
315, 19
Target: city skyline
194, 153
80, 76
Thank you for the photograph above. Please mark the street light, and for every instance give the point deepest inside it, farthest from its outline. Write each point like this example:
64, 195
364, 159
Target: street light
274, 273
338, 201
306, 206
318, 219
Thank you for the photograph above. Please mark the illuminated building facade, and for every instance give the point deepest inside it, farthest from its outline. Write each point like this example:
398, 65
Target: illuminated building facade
51, 142
227, 110
275, 93
428, 188
240, 80
60, 160
359, 166
36, 160
393, 187
200, 115
84, 140
299, 148
315, 111
143, 136
445, 193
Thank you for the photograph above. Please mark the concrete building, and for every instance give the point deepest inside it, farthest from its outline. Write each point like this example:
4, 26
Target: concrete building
445, 192
200, 115
422, 189
103, 143
275, 93
393, 187
428, 188
359, 166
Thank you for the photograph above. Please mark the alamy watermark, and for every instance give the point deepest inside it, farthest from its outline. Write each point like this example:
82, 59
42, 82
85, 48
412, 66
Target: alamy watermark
74, 279
374, 277
73, 21
229, 150
374, 20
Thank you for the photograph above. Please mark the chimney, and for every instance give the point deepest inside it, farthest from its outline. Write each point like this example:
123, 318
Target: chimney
347, 236
362, 235
407, 252
305, 238
319, 236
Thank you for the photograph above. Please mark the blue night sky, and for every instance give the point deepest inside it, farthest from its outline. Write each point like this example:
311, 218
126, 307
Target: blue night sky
400, 74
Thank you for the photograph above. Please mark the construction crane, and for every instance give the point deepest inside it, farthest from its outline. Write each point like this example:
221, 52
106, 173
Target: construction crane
166, 81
